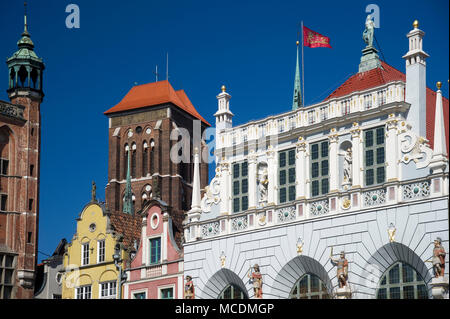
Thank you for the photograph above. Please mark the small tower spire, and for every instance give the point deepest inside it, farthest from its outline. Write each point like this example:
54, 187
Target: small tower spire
297, 100
196, 195
25, 17
439, 160
128, 207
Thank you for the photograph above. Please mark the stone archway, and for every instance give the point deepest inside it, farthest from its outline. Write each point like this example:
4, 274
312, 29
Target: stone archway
383, 259
293, 270
219, 281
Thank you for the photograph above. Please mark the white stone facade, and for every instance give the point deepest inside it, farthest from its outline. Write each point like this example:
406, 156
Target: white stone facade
376, 226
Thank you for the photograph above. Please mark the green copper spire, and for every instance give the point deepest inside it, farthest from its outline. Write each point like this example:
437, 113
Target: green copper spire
25, 68
297, 100
128, 207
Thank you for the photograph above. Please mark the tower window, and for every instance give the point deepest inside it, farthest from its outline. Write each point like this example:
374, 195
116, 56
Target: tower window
23, 74
4, 202
30, 204
29, 237
4, 163
31, 170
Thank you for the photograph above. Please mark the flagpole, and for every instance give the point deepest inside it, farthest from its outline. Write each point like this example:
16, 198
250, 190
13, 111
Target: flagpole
303, 69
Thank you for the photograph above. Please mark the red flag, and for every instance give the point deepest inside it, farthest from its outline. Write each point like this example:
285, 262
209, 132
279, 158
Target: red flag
315, 40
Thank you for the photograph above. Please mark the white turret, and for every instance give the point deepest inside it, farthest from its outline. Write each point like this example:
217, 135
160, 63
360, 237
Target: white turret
416, 80
224, 117
439, 160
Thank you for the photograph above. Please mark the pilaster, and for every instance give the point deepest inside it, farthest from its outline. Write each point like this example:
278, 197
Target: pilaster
357, 158
333, 160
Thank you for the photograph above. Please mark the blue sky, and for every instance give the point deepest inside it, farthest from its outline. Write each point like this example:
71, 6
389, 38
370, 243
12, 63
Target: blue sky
247, 45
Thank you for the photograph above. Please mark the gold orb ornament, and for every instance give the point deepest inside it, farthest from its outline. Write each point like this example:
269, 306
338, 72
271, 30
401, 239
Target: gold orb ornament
439, 85
223, 88
416, 24
298, 42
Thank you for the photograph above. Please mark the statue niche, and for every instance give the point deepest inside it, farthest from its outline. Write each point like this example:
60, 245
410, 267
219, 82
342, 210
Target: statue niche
262, 183
346, 164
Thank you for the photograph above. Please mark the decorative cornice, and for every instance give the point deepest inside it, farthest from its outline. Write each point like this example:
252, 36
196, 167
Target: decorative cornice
12, 110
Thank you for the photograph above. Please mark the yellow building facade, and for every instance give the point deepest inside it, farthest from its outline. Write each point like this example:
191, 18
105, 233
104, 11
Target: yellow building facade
90, 269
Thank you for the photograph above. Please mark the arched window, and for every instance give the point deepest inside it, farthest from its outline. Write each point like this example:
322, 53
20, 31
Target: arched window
125, 160
34, 77
152, 157
144, 159
232, 292
133, 160
309, 286
401, 281
23, 75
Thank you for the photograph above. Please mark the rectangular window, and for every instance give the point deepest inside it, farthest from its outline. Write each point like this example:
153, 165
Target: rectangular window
155, 250
31, 170
240, 187
101, 251
374, 156
139, 295
286, 173
108, 290
85, 254
319, 168
166, 293
4, 202
30, 204
83, 292
4, 163
7, 275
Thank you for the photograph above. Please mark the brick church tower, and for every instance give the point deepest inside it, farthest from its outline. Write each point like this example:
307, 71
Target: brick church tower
142, 123
20, 133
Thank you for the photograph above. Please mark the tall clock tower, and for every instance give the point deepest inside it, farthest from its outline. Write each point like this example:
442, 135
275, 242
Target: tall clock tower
20, 136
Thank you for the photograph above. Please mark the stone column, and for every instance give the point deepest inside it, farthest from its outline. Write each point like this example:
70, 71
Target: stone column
392, 146
252, 196
356, 153
333, 161
272, 176
300, 172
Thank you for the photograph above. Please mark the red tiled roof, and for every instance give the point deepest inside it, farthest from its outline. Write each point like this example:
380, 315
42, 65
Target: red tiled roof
379, 76
369, 79
152, 94
127, 225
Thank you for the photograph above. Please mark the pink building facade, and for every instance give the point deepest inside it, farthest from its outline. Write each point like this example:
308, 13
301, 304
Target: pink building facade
156, 271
